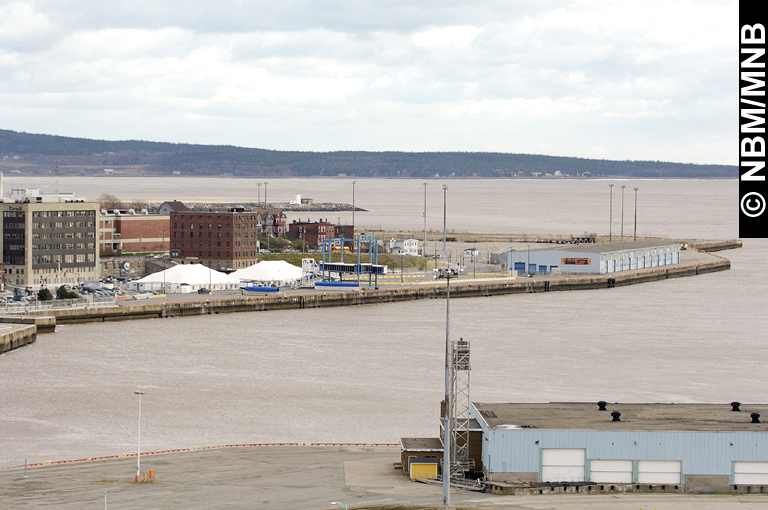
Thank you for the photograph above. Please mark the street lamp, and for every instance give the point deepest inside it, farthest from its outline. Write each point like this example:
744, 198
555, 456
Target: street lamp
353, 205
258, 196
610, 217
424, 251
138, 456
622, 212
635, 236
446, 273
265, 194
444, 191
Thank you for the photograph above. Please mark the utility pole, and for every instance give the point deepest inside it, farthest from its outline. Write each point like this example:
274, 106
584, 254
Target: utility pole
424, 250
353, 205
445, 188
622, 212
610, 217
138, 456
635, 235
447, 273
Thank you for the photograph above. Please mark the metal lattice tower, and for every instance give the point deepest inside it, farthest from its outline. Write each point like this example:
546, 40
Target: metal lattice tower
460, 409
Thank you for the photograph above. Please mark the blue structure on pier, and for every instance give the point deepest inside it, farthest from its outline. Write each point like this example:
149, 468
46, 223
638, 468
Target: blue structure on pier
372, 268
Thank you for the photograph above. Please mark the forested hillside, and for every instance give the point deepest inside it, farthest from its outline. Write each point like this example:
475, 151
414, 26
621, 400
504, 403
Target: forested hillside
39, 154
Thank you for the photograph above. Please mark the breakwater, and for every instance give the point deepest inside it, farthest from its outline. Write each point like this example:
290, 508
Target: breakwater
459, 289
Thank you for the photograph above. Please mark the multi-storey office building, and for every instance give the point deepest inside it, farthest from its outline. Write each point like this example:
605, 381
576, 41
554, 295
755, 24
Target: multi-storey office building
222, 240
49, 242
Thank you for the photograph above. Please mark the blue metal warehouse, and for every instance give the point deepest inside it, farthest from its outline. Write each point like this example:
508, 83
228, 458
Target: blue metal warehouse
594, 258
691, 447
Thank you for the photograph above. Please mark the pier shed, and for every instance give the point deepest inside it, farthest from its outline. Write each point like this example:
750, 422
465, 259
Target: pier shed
673, 447
594, 258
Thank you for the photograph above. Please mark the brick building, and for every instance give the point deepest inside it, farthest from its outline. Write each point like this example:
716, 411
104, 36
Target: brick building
126, 232
312, 233
223, 240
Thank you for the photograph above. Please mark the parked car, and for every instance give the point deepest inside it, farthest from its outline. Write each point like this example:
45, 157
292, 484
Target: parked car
203, 291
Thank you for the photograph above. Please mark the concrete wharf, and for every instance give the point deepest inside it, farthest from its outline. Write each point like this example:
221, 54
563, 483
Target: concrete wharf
694, 263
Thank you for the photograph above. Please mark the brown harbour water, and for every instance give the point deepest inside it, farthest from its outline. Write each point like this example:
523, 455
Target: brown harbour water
375, 373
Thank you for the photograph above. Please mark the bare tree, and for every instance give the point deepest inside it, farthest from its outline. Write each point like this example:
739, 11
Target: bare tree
110, 201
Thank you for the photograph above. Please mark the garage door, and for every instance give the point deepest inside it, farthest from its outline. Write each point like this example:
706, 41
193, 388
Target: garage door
750, 473
658, 471
610, 471
562, 465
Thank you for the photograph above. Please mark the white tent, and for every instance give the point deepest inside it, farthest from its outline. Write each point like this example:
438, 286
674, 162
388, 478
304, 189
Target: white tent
183, 278
270, 272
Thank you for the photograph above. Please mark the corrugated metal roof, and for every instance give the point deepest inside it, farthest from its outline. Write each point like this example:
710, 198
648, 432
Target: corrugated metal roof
660, 417
606, 247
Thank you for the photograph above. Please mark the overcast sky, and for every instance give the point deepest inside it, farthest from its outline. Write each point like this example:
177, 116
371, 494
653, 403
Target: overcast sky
630, 79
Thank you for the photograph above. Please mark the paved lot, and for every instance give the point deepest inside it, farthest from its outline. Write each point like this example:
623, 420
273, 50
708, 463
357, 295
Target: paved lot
293, 477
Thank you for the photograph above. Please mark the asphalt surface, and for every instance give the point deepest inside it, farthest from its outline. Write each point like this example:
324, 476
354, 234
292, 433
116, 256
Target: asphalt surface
292, 477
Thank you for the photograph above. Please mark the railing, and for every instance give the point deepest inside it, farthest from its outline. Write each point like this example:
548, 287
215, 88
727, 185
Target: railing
13, 466
57, 304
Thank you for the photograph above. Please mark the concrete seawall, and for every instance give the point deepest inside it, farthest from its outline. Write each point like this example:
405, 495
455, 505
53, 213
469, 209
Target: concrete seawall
322, 300
14, 336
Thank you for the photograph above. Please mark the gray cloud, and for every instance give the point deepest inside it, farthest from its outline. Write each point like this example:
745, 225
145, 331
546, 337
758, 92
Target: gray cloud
581, 78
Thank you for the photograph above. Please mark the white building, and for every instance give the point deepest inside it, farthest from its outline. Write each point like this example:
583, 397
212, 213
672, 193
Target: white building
594, 258
404, 247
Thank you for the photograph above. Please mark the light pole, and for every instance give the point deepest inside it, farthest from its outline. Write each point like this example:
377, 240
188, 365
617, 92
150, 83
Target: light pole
445, 188
622, 212
258, 199
528, 263
353, 205
447, 273
138, 456
610, 217
265, 194
424, 250
635, 235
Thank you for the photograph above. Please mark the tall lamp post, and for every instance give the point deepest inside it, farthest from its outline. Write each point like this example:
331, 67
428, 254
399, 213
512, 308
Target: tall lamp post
265, 194
424, 251
138, 456
446, 273
610, 217
635, 236
353, 205
258, 199
622, 212
445, 188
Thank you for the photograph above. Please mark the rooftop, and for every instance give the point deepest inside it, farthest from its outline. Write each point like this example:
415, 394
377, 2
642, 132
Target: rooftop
608, 247
586, 416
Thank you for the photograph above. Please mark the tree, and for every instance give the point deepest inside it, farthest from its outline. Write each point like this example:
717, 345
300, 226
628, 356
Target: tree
44, 295
110, 201
64, 293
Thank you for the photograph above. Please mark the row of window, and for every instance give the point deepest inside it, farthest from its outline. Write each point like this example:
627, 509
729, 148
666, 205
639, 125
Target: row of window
63, 246
64, 224
68, 258
62, 235
61, 214
237, 254
200, 234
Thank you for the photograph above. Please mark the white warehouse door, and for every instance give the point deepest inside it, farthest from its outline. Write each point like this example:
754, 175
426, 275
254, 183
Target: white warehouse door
610, 471
750, 473
562, 465
658, 471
